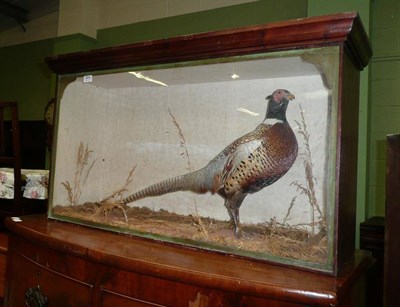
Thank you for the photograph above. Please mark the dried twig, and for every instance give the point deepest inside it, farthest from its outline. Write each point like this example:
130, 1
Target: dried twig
289, 209
197, 219
113, 201
182, 143
105, 207
82, 171
117, 195
308, 188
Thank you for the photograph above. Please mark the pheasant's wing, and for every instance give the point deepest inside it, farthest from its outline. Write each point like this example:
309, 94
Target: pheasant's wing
242, 149
221, 167
243, 152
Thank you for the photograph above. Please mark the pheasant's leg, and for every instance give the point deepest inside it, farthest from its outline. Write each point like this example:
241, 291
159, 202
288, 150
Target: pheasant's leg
226, 204
232, 204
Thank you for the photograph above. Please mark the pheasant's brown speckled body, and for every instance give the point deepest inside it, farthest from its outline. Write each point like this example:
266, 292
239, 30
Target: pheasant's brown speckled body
249, 164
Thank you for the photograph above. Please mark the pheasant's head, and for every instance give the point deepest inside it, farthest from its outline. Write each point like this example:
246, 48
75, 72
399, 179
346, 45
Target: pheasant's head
277, 104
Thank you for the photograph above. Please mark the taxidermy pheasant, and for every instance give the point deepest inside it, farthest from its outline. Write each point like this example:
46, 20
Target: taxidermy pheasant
249, 164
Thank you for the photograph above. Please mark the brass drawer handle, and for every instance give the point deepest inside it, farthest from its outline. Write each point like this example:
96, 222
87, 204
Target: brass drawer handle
35, 298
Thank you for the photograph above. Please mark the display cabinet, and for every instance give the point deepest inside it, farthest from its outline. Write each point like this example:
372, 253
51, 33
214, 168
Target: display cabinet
140, 132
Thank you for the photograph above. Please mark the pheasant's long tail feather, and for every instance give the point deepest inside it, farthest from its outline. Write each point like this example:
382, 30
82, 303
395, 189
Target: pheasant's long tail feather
188, 182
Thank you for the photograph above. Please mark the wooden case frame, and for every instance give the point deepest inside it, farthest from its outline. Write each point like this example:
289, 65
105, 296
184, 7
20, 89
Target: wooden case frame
344, 31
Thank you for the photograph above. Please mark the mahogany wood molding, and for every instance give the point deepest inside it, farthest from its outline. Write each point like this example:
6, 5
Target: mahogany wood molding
343, 28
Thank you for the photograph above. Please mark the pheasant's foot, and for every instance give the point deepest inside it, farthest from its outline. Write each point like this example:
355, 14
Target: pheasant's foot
237, 231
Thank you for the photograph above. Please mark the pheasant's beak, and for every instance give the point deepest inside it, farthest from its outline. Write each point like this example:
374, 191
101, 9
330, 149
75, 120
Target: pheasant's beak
290, 96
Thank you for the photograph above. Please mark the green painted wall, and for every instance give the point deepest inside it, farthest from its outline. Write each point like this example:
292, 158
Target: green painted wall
73, 43
385, 97
227, 17
25, 77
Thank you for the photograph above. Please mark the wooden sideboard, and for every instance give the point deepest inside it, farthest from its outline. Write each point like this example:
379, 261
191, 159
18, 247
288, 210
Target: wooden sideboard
3, 261
74, 265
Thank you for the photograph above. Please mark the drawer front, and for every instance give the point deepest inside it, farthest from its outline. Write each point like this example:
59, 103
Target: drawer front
124, 288
110, 298
3, 263
60, 290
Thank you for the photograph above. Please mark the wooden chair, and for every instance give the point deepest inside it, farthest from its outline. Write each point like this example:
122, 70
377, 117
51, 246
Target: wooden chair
391, 294
22, 146
10, 156
17, 154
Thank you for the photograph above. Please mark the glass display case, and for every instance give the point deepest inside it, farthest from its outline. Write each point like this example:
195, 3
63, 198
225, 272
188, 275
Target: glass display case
241, 141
